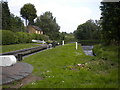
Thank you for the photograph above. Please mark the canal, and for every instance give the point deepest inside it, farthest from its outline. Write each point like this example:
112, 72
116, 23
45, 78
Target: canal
88, 50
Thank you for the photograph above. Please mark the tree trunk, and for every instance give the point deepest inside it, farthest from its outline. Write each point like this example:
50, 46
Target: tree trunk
26, 22
26, 25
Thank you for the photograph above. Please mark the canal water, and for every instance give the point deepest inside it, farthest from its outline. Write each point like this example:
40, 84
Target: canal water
88, 50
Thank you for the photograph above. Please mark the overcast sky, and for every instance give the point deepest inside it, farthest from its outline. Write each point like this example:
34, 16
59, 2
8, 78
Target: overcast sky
69, 13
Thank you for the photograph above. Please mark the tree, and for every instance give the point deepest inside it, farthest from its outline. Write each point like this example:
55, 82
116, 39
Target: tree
88, 31
6, 24
110, 22
67, 37
17, 24
49, 25
28, 12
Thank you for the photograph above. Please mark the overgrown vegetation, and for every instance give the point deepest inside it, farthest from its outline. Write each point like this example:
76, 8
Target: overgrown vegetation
107, 52
65, 67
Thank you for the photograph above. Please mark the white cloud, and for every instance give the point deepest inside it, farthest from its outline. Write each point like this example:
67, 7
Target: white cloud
69, 13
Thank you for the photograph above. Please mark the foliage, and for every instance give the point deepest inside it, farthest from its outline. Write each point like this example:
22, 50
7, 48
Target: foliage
58, 69
88, 31
22, 37
14, 47
28, 12
17, 24
6, 24
9, 21
89, 42
67, 37
8, 37
49, 25
107, 52
110, 22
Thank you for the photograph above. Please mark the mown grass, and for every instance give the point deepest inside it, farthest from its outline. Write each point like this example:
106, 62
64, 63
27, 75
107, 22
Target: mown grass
8, 48
58, 69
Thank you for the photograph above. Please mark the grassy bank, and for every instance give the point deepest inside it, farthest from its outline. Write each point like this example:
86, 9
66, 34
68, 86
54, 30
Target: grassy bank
107, 52
8, 48
58, 69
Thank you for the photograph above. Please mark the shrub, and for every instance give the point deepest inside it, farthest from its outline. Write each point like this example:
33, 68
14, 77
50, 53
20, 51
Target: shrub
44, 37
22, 37
8, 37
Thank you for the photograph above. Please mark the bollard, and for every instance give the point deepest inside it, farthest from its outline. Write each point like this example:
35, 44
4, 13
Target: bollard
63, 42
19, 57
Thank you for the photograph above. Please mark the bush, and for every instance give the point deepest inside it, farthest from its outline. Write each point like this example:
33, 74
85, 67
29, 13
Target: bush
44, 37
22, 37
8, 37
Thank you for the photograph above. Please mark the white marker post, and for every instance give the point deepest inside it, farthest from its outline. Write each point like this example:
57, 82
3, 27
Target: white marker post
43, 42
76, 45
63, 42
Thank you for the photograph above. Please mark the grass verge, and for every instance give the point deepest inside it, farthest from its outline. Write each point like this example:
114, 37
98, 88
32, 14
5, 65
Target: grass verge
59, 68
9, 48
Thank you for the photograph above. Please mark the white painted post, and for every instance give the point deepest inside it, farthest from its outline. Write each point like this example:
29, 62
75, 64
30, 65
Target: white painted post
63, 42
43, 41
76, 46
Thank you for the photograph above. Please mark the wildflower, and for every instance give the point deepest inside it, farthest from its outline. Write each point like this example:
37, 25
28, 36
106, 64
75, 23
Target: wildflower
47, 71
79, 64
33, 83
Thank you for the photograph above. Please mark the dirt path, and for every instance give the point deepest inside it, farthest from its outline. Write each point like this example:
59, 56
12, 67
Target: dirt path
17, 84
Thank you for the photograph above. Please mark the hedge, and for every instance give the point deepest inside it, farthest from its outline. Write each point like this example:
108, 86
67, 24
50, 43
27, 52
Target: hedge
9, 37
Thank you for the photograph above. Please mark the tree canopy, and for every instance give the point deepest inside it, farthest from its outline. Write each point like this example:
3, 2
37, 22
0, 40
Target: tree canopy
17, 24
28, 12
9, 21
110, 21
5, 16
88, 31
49, 25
